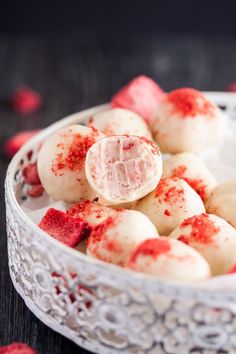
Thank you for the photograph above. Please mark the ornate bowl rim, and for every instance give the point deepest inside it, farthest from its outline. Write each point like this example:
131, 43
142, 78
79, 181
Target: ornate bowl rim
128, 276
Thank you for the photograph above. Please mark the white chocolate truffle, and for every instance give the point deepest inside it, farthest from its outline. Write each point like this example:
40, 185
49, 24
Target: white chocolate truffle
170, 203
122, 169
190, 168
222, 202
170, 259
93, 212
61, 163
212, 237
119, 121
186, 121
115, 239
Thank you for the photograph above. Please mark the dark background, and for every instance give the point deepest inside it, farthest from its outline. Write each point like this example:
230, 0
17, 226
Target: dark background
108, 16
77, 54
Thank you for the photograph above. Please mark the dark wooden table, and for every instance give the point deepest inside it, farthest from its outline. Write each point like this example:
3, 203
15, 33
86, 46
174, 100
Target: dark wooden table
76, 72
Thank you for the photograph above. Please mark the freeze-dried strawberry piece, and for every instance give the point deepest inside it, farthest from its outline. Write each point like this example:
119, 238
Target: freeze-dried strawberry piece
25, 100
17, 348
232, 270
30, 173
36, 191
14, 143
232, 87
66, 229
140, 95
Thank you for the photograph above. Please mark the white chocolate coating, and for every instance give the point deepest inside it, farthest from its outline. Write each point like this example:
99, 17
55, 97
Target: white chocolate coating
114, 240
186, 121
61, 163
170, 259
170, 203
192, 170
94, 213
122, 169
119, 121
212, 237
222, 202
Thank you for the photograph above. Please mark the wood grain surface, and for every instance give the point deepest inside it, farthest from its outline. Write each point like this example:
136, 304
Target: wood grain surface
76, 72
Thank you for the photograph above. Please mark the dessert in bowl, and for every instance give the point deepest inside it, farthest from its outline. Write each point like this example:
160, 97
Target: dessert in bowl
141, 287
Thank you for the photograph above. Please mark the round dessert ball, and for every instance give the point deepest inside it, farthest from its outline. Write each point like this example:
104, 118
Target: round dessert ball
119, 121
232, 269
190, 168
212, 237
61, 163
170, 259
93, 212
140, 95
186, 121
170, 203
222, 202
122, 169
113, 240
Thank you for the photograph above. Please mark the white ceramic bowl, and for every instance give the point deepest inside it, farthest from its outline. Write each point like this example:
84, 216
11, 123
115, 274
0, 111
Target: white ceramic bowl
104, 308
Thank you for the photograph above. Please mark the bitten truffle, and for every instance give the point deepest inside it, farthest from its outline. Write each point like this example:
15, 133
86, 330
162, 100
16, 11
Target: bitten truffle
122, 169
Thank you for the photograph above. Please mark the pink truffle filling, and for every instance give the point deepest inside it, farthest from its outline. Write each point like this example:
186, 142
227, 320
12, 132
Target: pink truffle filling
120, 166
